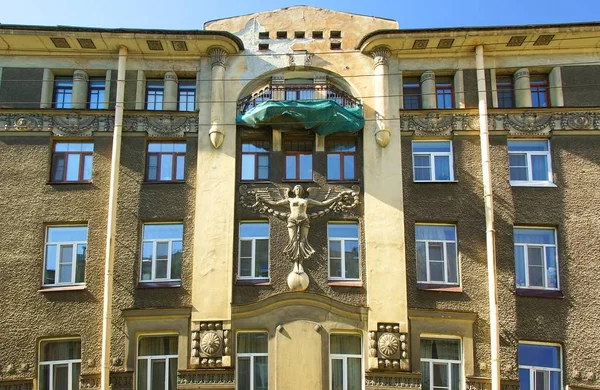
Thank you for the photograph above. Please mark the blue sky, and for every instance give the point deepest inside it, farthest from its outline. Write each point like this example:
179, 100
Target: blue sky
180, 14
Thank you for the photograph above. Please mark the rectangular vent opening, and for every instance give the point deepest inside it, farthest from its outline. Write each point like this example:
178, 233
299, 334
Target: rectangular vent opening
299, 34
420, 44
281, 34
61, 43
263, 46
317, 34
263, 35
86, 43
445, 43
543, 40
517, 40
154, 45
336, 46
335, 34
179, 45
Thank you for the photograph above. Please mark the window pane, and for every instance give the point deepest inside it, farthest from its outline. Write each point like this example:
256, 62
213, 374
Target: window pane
422, 174
518, 174
517, 160
452, 263
335, 249
534, 236
333, 167
261, 373
80, 264
246, 248
180, 168
161, 269
552, 271
67, 233
435, 232
335, 267
60, 377
73, 161
539, 168
343, 230
44, 377
421, 161
176, 259
425, 375
555, 380
243, 371
153, 167
337, 374
162, 250
58, 167
524, 379
254, 230
87, 167
248, 166
440, 349
354, 374
539, 355
263, 167
158, 346
166, 167
348, 344
528, 146
246, 266
157, 378
50, 272
427, 146
520, 265
306, 166
163, 231
142, 377
252, 343
65, 264
442, 167
262, 259
440, 375
290, 167
60, 350
352, 259
349, 167
436, 272
421, 262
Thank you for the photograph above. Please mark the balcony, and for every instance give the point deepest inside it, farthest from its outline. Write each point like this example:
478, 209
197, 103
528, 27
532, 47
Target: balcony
322, 108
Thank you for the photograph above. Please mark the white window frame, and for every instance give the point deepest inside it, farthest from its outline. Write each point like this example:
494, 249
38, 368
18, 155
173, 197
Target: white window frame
526, 246
431, 156
547, 370
342, 241
150, 358
155, 242
59, 245
344, 358
253, 258
52, 363
528, 156
250, 355
448, 362
444, 254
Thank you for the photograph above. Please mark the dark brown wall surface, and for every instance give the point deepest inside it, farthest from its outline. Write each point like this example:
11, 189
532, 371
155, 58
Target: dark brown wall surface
581, 86
572, 207
316, 267
29, 203
21, 87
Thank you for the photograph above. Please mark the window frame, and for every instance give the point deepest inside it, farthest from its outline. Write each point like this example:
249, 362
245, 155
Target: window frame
342, 155
253, 240
445, 260
52, 363
539, 86
534, 369
432, 156
297, 156
153, 261
251, 356
150, 358
342, 241
412, 84
505, 83
526, 247
446, 86
155, 88
447, 362
59, 245
174, 158
549, 182
256, 160
186, 88
63, 90
344, 357
96, 94
65, 155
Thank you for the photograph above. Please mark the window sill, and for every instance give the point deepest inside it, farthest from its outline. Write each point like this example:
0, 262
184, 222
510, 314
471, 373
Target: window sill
353, 181
345, 283
532, 184
62, 183
253, 282
297, 180
262, 181
541, 293
439, 287
434, 181
164, 182
165, 284
75, 287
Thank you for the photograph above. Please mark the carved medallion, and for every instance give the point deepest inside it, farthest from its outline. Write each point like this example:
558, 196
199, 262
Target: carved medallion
388, 345
74, 125
210, 343
26, 123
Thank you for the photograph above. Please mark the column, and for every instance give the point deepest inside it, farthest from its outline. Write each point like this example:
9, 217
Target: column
384, 218
47, 89
493, 88
522, 88
218, 56
80, 90
140, 91
170, 91
459, 90
555, 83
428, 97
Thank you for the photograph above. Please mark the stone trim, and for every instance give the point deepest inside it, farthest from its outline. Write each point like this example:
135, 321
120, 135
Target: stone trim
118, 381
383, 381
21, 384
217, 378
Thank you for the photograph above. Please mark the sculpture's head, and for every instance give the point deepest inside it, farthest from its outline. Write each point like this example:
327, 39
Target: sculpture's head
298, 190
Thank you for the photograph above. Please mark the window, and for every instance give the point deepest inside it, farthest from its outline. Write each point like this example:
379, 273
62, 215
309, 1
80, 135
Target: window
443, 92
440, 364
344, 258
529, 162
299, 34
60, 365
263, 46
162, 252
66, 247
72, 162
539, 91
155, 90
317, 34
536, 260
96, 92
539, 367
432, 161
281, 34
157, 363
335, 46
504, 90
63, 92
298, 160
255, 160
252, 361
186, 95
263, 35
166, 161
436, 254
335, 34
341, 159
254, 250
411, 94
345, 359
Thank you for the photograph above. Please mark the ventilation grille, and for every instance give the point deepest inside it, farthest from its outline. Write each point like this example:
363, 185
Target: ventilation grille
61, 43
543, 40
445, 43
517, 40
420, 44
86, 43
154, 45
179, 46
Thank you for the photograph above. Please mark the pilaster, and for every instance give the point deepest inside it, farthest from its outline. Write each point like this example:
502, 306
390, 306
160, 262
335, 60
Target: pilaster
80, 90
170, 91
522, 88
428, 98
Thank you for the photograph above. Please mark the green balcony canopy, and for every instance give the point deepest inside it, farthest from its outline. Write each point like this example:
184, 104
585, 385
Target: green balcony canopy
321, 116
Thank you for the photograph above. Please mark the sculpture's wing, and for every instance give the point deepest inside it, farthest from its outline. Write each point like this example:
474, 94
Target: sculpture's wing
254, 198
346, 198
320, 193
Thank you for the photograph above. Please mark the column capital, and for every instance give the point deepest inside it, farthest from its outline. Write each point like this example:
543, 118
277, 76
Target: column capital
218, 56
80, 75
380, 55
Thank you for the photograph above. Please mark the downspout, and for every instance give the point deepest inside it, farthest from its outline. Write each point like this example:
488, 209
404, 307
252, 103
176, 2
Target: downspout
490, 234
111, 222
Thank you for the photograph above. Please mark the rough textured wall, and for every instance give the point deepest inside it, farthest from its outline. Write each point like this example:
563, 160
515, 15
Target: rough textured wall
316, 267
21, 87
130, 89
470, 84
575, 80
571, 207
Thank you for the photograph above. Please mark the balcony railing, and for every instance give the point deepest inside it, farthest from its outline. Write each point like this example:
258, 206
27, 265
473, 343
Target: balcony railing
298, 92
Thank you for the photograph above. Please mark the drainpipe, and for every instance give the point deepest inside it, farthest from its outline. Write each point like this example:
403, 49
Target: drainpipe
111, 223
490, 234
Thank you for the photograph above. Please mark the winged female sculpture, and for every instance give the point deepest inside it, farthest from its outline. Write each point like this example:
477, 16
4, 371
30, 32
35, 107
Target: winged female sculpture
298, 218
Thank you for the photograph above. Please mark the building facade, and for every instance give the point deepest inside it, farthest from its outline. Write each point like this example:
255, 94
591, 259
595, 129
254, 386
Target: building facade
295, 200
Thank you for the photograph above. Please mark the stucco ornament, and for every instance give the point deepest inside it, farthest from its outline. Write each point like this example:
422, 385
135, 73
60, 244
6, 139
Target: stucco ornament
210, 343
298, 218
